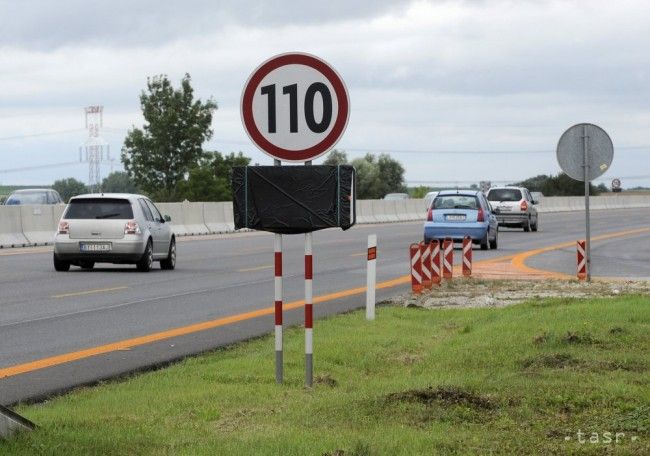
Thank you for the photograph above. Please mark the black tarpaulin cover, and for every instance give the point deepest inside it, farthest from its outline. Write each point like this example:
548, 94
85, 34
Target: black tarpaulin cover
294, 199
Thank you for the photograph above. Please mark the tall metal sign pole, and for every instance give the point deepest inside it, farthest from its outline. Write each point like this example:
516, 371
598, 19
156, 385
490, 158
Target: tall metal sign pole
295, 107
96, 149
584, 152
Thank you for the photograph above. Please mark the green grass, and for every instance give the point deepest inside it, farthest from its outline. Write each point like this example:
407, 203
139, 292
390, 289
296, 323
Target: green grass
514, 380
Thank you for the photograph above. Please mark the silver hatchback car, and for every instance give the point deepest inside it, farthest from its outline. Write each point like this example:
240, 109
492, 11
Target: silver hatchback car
113, 228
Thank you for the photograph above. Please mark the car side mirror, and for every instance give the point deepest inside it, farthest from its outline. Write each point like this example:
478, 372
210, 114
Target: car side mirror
535, 201
167, 218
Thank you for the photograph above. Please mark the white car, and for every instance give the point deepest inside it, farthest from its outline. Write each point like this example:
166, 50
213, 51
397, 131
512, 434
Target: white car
113, 228
514, 207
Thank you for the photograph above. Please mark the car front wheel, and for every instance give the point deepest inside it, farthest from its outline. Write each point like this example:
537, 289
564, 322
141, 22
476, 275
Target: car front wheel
169, 263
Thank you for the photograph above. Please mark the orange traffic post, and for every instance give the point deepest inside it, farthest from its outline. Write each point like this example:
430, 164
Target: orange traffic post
448, 259
425, 255
435, 262
467, 256
416, 268
582, 261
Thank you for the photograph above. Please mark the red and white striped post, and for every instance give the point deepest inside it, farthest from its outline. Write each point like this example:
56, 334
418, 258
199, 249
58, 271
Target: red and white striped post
435, 262
309, 312
371, 279
582, 261
425, 254
278, 308
467, 256
416, 268
448, 259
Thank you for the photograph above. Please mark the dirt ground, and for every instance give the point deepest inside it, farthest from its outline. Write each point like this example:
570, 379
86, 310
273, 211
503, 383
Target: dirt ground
499, 293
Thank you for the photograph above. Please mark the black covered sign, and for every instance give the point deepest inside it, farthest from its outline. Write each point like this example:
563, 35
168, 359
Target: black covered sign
294, 199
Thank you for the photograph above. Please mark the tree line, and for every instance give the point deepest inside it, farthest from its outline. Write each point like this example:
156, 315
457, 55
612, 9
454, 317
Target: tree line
165, 158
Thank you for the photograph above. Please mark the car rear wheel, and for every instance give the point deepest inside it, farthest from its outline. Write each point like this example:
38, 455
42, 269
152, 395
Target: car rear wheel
169, 263
527, 225
485, 244
534, 227
495, 242
144, 265
60, 265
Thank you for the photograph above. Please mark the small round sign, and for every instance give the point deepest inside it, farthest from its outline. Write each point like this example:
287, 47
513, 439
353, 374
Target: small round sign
571, 149
295, 107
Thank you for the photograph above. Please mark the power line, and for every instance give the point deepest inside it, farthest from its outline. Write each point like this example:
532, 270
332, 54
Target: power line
36, 135
30, 168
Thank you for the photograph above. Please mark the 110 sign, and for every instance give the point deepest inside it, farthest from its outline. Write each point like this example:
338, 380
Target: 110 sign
295, 107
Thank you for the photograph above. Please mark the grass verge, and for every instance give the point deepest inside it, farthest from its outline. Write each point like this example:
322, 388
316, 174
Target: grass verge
525, 379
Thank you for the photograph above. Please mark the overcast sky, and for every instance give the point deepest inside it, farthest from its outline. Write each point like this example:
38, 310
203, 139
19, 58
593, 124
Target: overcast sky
458, 91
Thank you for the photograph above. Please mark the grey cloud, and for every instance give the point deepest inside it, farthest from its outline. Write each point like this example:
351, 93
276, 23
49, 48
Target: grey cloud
51, 24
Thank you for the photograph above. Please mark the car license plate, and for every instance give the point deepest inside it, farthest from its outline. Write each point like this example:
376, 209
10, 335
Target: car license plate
505, 208
95, 247
455, 217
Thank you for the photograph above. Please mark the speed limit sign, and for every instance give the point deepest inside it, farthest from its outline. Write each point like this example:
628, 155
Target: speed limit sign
295, 107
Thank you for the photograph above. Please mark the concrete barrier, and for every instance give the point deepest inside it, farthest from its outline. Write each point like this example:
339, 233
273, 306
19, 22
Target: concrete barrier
11, 230
193, 218
37, 223
401, 210
364, 212
215, 217
175, 211
416, 209
229, 216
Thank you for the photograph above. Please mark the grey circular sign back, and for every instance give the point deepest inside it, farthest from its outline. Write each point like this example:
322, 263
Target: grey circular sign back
570, 151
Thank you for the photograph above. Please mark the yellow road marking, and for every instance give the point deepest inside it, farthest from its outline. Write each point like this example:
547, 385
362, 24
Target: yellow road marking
25, 250
519, 260
87, 292
258, 268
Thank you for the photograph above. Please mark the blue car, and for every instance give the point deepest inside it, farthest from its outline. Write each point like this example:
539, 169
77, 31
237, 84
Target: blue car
458, 213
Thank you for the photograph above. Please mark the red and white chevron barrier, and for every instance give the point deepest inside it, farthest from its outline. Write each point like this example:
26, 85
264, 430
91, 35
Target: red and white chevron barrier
448, 259
467, 256
416, 268
425, 252
582, 261
435, 262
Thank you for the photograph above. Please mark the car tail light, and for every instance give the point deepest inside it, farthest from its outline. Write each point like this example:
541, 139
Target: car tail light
480, 217
64, 228
132, 227
523, 206
430, 215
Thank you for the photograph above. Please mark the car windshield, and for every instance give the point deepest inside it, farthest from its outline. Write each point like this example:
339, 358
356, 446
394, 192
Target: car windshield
504, 194
455, 202
27, 198
99, 208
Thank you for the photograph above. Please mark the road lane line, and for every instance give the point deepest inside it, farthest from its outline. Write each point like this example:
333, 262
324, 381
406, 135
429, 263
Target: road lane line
185, 330
519, 260
258, 268
26, 250
87, 292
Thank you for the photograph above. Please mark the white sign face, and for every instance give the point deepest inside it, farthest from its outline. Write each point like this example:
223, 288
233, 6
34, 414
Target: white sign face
295, 107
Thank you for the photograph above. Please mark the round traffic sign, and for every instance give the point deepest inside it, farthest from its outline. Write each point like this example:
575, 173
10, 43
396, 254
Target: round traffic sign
295, 107
572, 146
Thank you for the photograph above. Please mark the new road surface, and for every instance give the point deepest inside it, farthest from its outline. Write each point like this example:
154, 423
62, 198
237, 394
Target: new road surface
60, 330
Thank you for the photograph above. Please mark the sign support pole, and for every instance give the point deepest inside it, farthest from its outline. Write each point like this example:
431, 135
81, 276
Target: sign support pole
585, 148
309, 310
277, 253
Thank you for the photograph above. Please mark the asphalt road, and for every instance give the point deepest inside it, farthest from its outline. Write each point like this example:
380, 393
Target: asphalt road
45, 314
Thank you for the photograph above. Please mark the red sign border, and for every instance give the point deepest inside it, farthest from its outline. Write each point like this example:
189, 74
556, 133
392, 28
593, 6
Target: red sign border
326, 70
